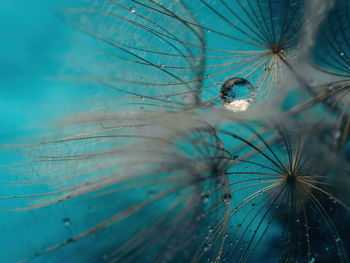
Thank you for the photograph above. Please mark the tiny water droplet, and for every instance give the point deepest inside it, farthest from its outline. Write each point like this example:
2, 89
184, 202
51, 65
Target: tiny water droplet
142, 108
66, 222
337, 135
204, 198
227, 198
132, 9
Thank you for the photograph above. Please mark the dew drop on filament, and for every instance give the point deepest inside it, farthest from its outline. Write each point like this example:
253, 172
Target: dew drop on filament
132, 9
236, 94
66, 222
227, 198
205, 198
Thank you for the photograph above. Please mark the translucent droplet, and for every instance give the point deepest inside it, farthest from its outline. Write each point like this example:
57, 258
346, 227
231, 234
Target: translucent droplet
132, 9
205, 248
235, 157
227, 198
204, 198
236, 94
66, 222
142, 108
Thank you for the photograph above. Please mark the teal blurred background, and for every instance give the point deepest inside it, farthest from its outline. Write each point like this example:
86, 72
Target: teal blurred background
34, 51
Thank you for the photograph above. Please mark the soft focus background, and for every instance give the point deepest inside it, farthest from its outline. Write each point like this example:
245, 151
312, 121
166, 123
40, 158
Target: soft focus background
34, 51
36, 62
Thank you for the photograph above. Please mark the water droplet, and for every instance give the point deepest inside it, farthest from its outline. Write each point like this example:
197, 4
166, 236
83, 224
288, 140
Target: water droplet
205, 248
142, 108
235, 157
236, 94
142, 98
312, 260
227, 198
331, 87
66, 222
337, 134
204, 198
132, 9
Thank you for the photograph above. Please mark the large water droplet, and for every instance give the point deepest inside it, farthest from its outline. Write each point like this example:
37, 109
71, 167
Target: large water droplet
236, 94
